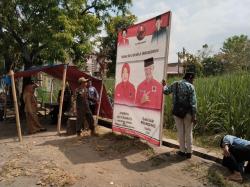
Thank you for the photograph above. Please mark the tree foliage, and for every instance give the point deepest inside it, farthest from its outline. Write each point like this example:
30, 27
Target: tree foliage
41, 31
212, 66
236, 52
205, 52
191, 62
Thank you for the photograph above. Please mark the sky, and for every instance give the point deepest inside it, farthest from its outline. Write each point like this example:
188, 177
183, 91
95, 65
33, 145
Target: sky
198, 22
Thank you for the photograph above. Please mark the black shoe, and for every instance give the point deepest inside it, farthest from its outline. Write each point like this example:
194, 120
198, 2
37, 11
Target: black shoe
247, 168
78, 133
188, 155
43, 130
180, 153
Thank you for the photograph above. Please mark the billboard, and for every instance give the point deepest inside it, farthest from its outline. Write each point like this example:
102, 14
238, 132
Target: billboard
142, 52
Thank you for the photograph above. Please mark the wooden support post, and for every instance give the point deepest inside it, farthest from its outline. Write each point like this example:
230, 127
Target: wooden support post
16, 106
61, 99
5, 102
51, 91
99, 105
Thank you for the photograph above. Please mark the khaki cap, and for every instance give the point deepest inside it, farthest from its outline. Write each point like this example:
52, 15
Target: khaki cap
82, 79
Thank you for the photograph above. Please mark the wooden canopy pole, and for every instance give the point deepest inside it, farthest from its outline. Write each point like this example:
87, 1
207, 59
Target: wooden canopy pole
16, 105
61, 99
99, 105
51, 91
5, 102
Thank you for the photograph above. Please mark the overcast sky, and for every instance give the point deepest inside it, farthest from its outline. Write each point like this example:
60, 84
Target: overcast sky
196, 22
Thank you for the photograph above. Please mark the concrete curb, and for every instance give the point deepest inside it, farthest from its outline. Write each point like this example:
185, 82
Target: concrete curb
197, 151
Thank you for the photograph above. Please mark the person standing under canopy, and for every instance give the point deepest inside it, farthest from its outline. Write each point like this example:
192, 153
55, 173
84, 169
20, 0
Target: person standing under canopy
30, 108
82, 109
93, 97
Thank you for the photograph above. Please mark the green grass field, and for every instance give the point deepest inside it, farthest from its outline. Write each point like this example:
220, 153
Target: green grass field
223, 105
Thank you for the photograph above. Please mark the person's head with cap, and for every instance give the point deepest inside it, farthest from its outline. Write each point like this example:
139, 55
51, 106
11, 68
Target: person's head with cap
149, 68
83, 82
125, 72
189, 76
158, 23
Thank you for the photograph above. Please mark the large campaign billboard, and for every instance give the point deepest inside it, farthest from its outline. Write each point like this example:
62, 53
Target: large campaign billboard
142, 51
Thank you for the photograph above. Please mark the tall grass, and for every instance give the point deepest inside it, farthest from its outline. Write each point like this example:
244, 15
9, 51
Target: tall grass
223, 104
109, 85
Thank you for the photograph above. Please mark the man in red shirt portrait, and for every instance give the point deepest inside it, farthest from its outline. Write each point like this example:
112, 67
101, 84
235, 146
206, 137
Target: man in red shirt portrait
149, 92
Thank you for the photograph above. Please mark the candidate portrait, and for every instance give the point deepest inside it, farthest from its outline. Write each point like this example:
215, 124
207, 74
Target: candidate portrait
124, 40
125, 90
160, 31
149, 91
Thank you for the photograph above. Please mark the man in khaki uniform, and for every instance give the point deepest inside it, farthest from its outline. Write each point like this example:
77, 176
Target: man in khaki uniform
31, 109
82, 108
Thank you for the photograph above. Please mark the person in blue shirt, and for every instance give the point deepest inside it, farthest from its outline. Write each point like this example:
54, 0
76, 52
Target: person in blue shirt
93, 97
236, 152
184, 94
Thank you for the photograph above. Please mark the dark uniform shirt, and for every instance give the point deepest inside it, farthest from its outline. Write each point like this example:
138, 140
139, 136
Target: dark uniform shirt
82, 103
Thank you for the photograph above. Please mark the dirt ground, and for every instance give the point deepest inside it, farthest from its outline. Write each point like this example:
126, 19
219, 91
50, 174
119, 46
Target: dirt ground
46, 159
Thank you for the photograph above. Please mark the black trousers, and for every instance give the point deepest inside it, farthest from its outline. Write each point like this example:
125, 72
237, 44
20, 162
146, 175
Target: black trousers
92, 108
54, 113
237, 158
1, 114
80, 122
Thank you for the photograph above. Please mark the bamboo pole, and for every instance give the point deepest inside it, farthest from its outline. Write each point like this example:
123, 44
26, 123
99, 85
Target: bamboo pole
16, 106
61, 99
51, 91
5, 102
99, 105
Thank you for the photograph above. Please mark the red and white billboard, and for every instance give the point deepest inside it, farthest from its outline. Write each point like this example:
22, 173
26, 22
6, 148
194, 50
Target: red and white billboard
142, 51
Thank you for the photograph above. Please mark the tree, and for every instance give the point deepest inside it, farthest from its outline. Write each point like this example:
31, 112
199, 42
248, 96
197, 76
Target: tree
191, 62
9, 54
212, 66
236, 52
108, 44
51, 30
205, 52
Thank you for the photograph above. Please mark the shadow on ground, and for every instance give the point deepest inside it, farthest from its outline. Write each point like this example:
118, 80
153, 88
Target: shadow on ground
154, 162
8, 129
97, 149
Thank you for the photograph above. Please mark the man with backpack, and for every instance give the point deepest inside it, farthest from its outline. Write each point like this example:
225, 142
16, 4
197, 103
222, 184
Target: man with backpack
184, 111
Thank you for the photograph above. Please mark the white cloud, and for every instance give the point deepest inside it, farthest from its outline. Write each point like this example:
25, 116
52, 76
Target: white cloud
196, 22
